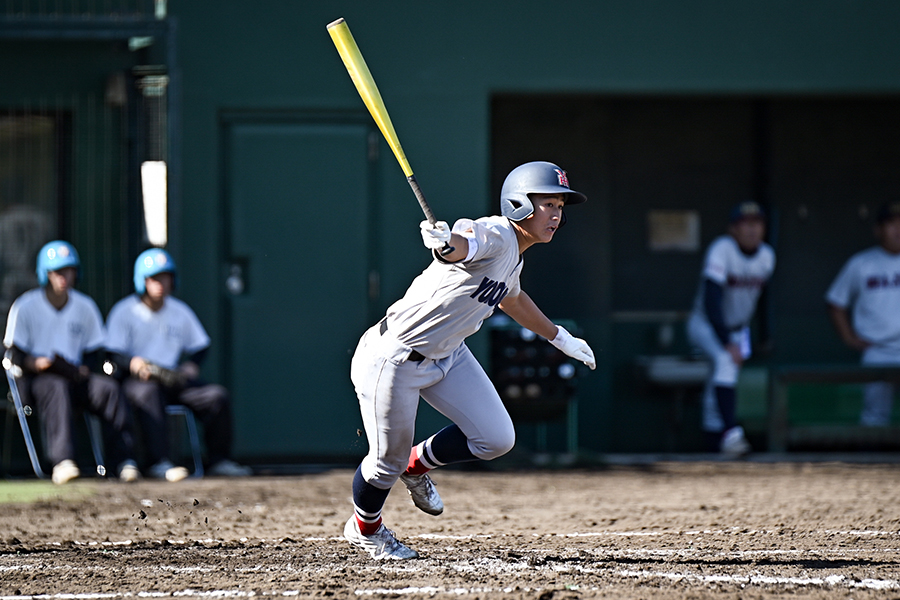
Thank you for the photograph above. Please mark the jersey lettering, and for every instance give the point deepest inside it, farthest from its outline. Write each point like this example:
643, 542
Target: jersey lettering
883, 281
747, 281
76, 330
490, 292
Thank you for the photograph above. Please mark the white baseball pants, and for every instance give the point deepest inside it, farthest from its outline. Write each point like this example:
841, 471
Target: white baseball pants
725, 370
388, 387
878, 397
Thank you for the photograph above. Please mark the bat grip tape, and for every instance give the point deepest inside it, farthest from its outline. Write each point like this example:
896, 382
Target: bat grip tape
447, 249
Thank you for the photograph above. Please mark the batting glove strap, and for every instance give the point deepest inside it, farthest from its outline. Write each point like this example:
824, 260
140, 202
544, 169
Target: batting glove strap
575, 347
435, 236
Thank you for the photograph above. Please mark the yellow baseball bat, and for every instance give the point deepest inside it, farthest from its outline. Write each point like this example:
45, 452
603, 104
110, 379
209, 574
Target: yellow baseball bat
368, 91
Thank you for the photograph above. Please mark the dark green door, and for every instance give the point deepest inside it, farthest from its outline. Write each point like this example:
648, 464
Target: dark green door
297, 200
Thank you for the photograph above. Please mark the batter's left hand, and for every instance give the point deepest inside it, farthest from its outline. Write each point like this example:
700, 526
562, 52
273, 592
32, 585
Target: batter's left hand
435, 236
575, 347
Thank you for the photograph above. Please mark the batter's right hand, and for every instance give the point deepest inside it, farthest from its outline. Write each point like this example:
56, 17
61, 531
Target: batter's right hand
435, 236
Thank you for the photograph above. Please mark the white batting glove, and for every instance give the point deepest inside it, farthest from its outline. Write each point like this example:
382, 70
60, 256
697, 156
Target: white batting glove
435, 236
575, 347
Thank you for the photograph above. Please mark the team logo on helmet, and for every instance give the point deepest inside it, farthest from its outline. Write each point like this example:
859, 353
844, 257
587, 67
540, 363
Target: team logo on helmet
563, 178
62, 252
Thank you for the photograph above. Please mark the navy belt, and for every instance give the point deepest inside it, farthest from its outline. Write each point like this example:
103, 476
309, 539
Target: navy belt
413, 356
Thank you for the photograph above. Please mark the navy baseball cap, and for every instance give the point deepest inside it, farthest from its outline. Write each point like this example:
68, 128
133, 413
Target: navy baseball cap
746, 210
888, 211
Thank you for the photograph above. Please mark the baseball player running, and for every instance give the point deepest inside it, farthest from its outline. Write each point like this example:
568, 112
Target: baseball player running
55, 333
869, 286
736, 268
418, 349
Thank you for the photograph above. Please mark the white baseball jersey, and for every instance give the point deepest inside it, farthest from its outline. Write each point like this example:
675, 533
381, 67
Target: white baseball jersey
870, 282
36, 327
157, 336
448, 302
741, 276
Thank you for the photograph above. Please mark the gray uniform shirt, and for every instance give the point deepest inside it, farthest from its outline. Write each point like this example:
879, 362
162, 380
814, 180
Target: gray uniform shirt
447, 303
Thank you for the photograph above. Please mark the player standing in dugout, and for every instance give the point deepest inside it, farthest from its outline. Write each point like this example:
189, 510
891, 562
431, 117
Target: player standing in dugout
418, 349
864, 306
736, 268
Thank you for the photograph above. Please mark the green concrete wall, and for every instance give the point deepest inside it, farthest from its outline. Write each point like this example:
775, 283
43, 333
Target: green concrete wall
440, 66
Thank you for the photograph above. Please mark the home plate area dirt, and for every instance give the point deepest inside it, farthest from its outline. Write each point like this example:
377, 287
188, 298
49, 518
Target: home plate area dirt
688, 530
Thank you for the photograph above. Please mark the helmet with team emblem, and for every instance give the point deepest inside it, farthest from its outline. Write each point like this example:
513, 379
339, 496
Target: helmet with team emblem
537, 177
152, 262
54, 256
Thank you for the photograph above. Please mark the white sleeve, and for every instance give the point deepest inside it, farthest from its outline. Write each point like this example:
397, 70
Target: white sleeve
117, 331
844, 288
95, 336
468, 229
715, 265
196, 338
16, 329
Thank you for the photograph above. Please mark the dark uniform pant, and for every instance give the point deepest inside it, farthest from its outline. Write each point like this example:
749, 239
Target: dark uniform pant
59, 400
210, 403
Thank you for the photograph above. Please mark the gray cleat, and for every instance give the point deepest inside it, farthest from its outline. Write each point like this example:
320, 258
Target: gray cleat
424, 495
381, 545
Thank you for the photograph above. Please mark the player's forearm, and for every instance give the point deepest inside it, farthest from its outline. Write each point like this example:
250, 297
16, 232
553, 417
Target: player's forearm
840, 317
527, 314
712, 303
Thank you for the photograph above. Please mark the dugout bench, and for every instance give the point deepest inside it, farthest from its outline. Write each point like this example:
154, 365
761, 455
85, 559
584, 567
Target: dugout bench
783, 434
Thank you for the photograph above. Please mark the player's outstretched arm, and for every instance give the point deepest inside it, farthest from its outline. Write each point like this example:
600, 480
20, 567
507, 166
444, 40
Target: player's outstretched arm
527, 314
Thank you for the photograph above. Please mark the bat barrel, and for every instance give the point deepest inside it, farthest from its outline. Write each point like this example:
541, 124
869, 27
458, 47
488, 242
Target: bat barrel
365, 85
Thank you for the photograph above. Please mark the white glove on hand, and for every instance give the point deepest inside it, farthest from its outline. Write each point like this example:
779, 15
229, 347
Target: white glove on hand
435, 236
575, 347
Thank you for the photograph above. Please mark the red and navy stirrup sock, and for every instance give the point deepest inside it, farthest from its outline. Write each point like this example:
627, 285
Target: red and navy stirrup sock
368, 501
447, 446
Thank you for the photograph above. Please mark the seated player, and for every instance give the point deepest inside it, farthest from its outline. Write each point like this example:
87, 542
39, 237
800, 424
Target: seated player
157, 344
55, 334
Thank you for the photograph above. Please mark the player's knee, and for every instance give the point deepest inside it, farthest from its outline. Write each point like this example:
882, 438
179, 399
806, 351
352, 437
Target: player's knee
498, 445
725, 371
382, 473
219, 397
105, 386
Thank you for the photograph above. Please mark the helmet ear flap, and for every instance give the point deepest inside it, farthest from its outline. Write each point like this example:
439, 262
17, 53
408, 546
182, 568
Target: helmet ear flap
563, 219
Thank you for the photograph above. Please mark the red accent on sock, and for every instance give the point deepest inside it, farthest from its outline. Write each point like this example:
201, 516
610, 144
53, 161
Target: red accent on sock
415, 466
368, 528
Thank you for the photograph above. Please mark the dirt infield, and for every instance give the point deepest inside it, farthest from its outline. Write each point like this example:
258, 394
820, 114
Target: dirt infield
670, 530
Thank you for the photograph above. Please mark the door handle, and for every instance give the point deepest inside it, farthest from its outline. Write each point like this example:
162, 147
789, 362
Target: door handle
234, 283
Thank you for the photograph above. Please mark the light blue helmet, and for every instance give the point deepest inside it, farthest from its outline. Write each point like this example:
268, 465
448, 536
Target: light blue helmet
152, 262
54, 256
537, 177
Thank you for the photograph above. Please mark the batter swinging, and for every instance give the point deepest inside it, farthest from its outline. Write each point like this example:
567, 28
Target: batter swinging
418, 349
